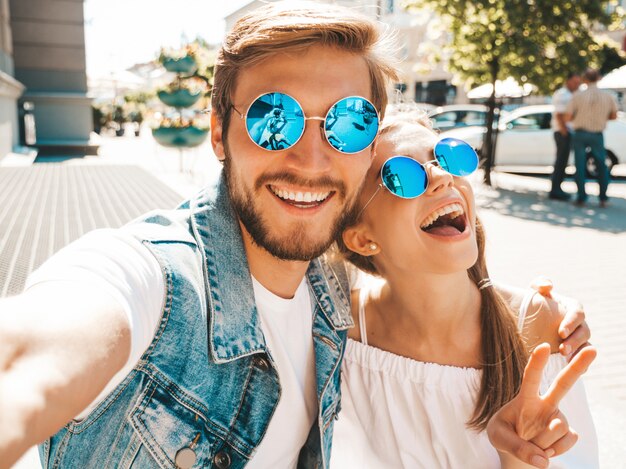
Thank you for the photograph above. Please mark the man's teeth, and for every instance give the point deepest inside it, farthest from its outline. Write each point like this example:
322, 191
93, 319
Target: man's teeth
453, 209
301, 196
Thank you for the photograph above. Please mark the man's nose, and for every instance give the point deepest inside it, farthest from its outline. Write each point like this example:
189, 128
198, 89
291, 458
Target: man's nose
312, 153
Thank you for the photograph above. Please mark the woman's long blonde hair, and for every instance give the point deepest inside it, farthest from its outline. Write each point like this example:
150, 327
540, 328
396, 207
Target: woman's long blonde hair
503, 351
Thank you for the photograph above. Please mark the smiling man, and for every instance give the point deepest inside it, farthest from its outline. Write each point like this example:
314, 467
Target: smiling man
212, 335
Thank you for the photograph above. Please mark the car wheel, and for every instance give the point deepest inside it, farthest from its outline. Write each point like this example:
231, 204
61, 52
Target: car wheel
592, 170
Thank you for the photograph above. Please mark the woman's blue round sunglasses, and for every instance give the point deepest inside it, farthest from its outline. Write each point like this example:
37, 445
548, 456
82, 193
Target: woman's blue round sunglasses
275, 121
407, 178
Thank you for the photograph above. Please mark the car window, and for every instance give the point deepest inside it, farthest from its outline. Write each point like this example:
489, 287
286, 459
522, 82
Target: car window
452, 119
536, 121
445, 120
475, 118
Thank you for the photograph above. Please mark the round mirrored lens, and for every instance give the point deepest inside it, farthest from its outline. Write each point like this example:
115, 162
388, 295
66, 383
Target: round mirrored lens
404, 177
275, 121
351, 124
456, 156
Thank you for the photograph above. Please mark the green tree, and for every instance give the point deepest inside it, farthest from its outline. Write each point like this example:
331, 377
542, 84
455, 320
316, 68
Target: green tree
534, 41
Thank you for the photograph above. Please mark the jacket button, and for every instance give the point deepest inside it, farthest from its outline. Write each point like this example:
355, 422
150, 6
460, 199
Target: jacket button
185, 458
222, 460
261, 363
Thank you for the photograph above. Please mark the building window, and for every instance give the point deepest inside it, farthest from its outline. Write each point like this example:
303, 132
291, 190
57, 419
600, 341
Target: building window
437, 92
389, 7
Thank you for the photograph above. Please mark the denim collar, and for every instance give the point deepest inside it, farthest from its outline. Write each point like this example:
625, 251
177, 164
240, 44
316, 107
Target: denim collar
234, 328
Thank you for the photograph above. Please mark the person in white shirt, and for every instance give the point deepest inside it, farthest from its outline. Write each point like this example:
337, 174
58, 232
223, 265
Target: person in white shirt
437, 351
562, 134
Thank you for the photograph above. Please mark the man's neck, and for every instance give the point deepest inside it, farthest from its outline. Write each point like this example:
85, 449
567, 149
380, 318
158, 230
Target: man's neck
279, 276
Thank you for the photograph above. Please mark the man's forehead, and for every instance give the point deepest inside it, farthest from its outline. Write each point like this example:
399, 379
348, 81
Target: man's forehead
306, 75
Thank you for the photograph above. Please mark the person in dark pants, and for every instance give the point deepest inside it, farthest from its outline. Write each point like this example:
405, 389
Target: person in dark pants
562, 137
589, 112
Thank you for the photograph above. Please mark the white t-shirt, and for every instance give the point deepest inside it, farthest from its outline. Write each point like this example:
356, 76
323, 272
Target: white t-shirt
287, 325
117, 263
560, 99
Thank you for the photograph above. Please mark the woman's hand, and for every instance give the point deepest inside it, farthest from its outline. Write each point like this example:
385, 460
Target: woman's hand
531, 427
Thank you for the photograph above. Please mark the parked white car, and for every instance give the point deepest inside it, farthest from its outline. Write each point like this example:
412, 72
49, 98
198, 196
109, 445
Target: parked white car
526, 139
458, 115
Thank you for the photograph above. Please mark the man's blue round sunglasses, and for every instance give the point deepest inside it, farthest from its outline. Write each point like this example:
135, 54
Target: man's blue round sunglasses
407, 178
275, 121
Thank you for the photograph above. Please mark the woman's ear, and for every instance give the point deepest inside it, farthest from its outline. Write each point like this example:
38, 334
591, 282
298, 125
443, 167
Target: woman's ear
217, 139
357, 241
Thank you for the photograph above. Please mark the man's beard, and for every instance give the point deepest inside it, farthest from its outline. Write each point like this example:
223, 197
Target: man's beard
296, 244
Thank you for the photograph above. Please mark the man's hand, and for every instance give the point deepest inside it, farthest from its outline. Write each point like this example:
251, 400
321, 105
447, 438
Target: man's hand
573, 330
531, 427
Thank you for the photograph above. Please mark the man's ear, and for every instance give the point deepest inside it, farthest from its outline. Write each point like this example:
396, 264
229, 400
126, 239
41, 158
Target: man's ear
357, 240
217, 137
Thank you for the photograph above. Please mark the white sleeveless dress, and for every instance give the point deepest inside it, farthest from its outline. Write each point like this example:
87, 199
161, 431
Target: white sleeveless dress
402, 413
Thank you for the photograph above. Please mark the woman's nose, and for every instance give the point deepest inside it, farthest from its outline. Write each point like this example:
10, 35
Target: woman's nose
438, 179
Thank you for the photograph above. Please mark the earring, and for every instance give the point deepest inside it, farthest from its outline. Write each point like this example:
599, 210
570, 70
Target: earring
373, 246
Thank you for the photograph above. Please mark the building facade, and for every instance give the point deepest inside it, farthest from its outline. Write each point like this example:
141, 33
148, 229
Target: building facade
10, 88
420, 80
433, 86
48, 59
42, 67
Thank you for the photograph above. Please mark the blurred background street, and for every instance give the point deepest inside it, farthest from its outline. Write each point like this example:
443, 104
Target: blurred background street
581, 250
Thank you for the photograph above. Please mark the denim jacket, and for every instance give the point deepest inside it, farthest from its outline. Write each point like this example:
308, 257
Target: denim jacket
206, 388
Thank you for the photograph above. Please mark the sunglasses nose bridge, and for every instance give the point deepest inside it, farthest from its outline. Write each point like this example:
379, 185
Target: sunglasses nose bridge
321, 121
314, 118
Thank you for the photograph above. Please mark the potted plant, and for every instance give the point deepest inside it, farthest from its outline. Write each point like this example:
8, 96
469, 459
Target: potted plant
182, 92
179, 60
181, 132
136, 117
120, 118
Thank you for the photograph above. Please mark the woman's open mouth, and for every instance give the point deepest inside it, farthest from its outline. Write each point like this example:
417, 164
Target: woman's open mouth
449, 220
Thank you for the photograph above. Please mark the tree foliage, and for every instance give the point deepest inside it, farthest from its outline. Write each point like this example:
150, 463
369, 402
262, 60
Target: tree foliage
534, 41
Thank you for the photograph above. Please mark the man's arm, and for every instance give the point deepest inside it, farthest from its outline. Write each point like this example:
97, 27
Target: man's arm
561, 123
570, 110
573, 330
60, 344
613, 113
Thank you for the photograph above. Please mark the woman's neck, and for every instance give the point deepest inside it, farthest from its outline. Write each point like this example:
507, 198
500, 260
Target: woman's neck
429, 317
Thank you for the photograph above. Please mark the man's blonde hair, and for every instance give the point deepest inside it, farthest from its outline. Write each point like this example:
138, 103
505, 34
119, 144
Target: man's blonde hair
292, 26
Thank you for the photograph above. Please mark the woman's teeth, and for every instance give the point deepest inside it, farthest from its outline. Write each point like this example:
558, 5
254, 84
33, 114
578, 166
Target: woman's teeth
454, 210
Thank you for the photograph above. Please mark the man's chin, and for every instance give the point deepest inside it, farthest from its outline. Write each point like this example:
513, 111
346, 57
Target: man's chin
293, 246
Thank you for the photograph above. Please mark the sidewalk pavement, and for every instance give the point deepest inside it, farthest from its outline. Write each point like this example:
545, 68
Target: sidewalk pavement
583, 250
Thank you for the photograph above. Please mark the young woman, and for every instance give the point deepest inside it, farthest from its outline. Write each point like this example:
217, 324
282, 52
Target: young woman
436, 351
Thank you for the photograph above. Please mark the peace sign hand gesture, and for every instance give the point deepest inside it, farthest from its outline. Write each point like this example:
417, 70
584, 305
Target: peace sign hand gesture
531, 427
